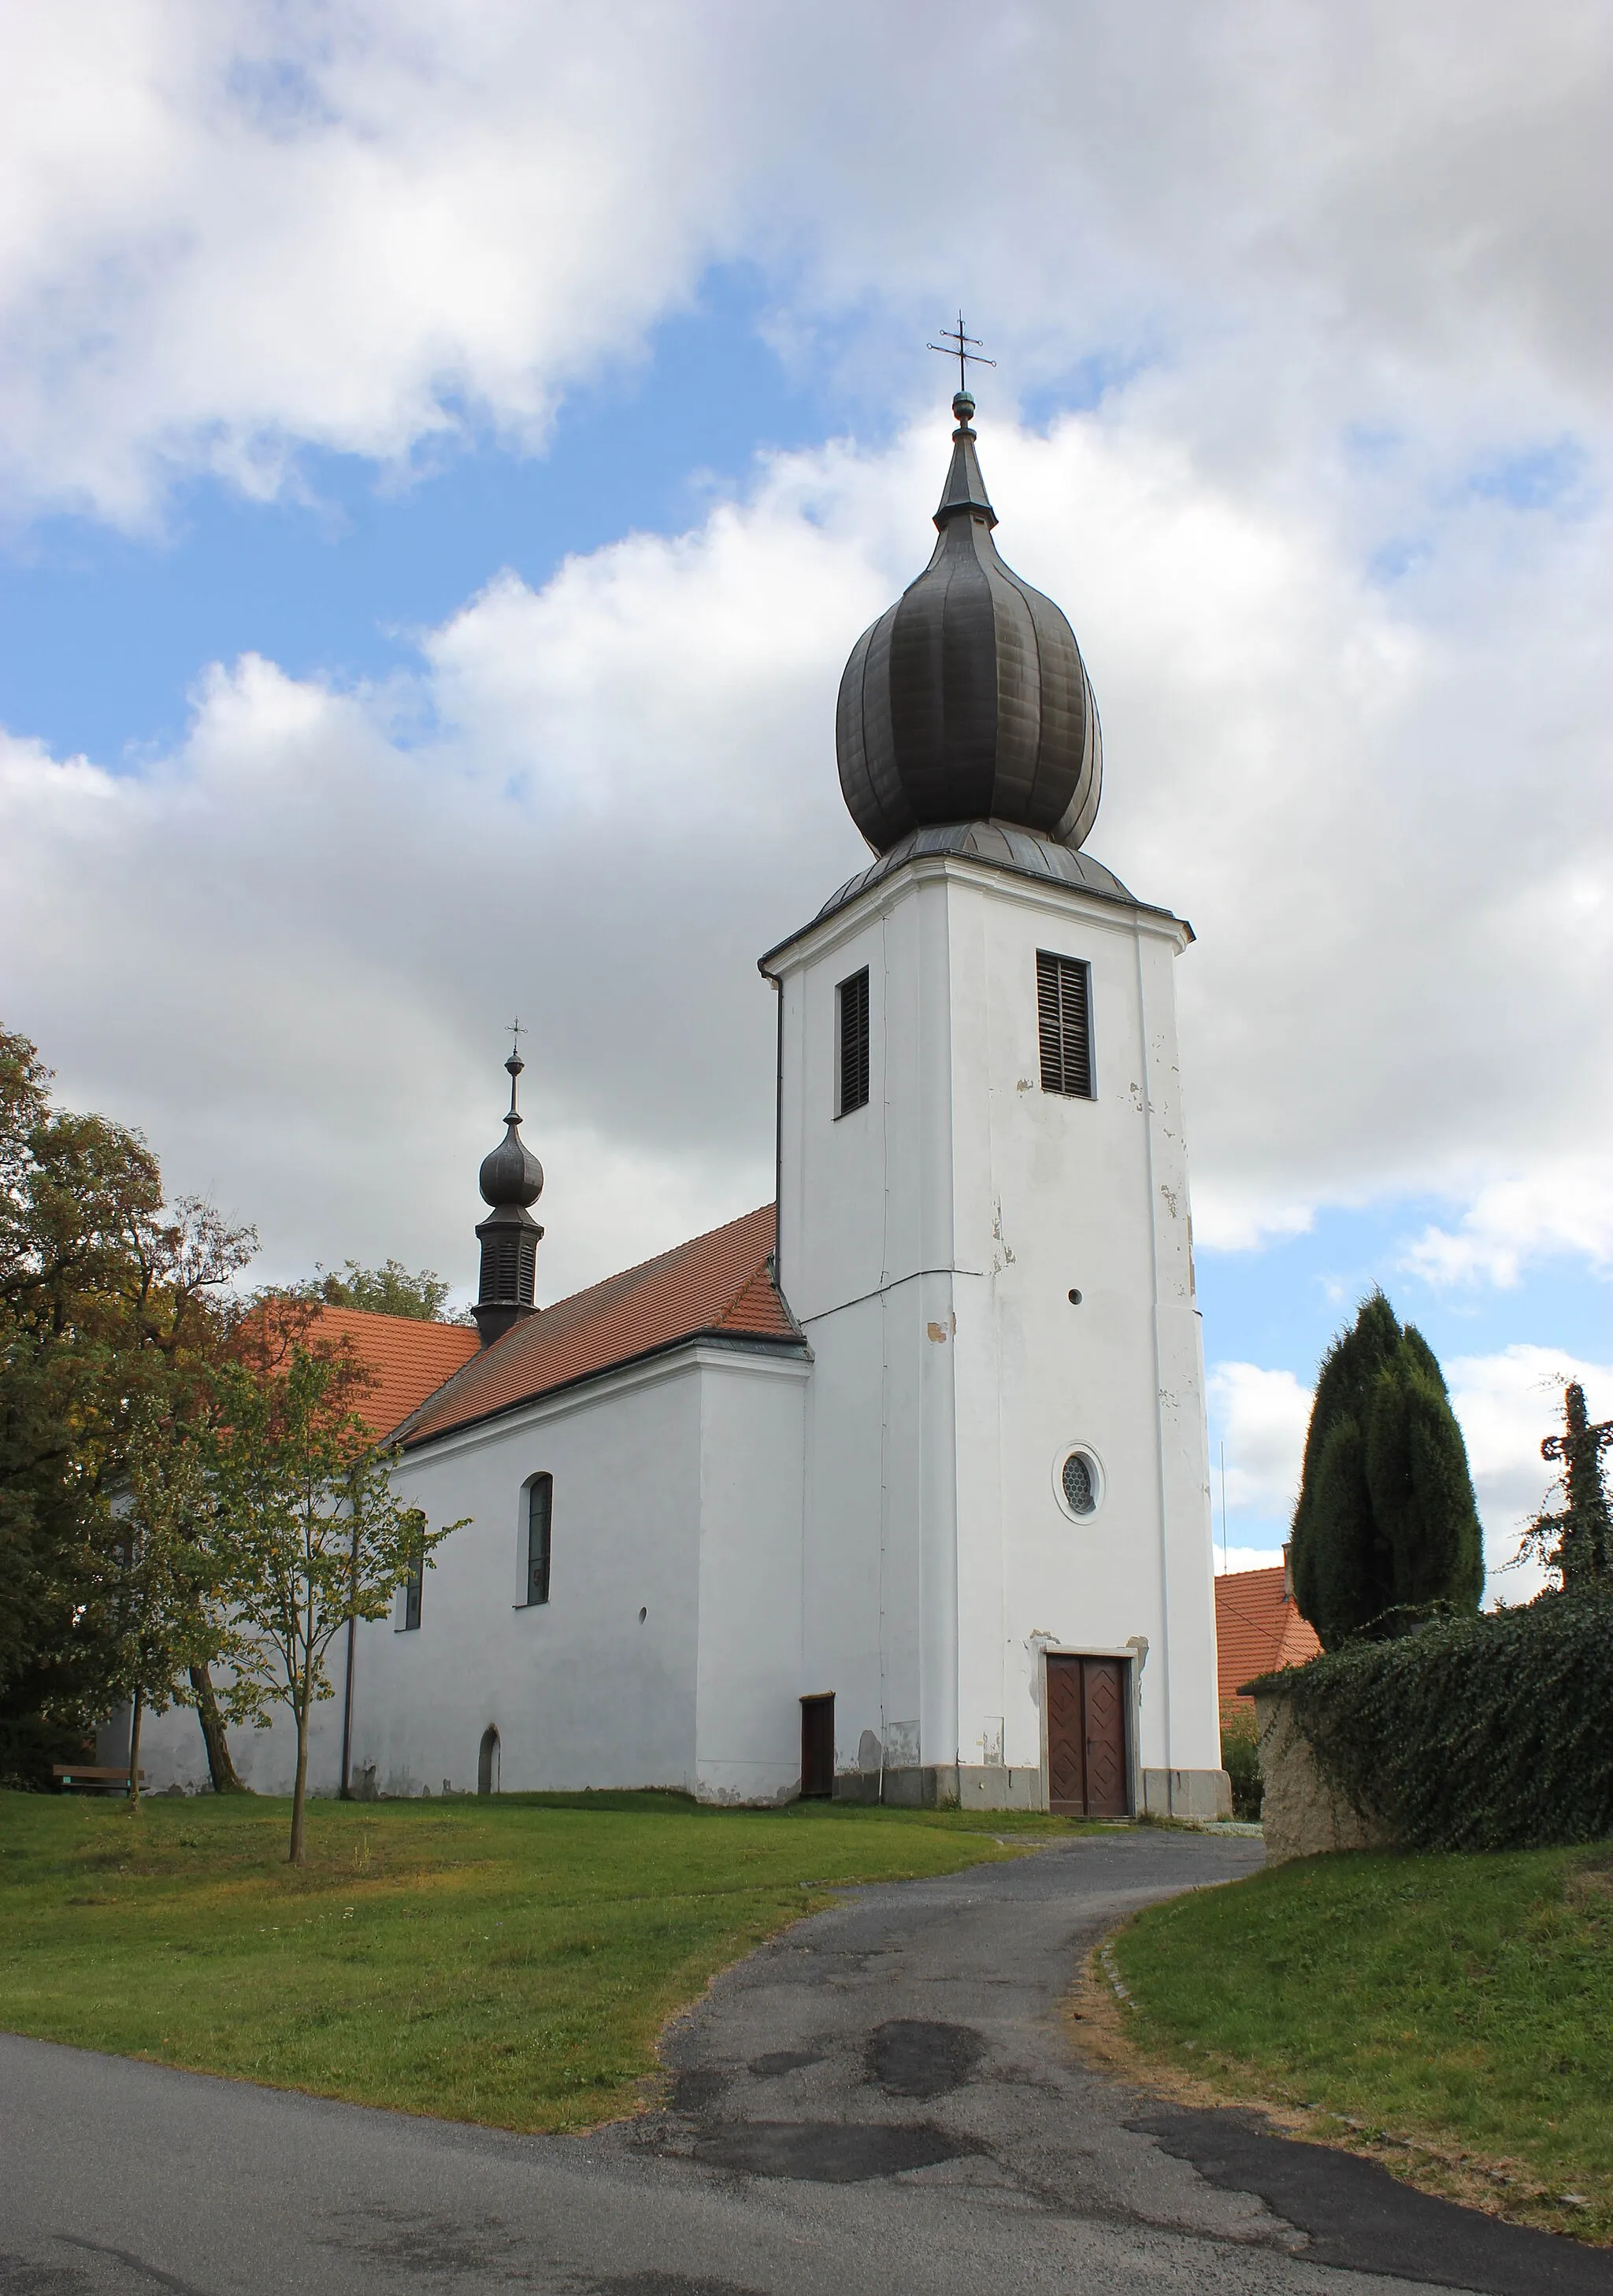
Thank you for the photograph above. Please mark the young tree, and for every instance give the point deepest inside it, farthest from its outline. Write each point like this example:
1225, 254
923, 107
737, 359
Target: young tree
1576, 1539
166, 1574
1386, 1530
315, 1534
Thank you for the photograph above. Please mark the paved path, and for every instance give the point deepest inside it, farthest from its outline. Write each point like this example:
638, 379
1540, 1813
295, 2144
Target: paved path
882, 2102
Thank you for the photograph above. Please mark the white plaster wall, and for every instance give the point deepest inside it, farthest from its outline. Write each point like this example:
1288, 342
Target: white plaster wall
173, 1757
747, 1732
677, 1491
581, 1691
1055, 1193
939, 1562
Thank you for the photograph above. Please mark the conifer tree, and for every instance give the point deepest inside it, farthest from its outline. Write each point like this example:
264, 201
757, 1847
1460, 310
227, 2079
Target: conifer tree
1386, 1528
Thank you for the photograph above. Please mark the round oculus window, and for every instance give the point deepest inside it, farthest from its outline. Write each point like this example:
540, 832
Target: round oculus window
1078, 1483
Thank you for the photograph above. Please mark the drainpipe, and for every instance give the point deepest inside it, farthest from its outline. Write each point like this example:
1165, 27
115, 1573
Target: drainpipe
345, 1790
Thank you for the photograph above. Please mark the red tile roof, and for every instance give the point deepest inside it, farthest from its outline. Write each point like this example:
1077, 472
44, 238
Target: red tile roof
407, 1357
719, 1285
1258, 1629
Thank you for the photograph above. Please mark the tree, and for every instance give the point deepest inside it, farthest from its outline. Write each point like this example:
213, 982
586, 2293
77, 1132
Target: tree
316, 1535
166, 1574
1576, 1539
389, 1291
1386, 1531
109, 1297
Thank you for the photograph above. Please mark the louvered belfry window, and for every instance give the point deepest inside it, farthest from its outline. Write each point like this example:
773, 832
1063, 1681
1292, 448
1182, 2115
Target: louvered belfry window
1064, 1015
852, 1084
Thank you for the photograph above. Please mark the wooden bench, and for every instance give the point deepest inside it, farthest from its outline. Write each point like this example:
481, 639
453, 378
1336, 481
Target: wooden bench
69, 1774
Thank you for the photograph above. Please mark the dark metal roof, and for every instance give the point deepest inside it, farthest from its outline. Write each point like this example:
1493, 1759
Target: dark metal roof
967, 699
998, 845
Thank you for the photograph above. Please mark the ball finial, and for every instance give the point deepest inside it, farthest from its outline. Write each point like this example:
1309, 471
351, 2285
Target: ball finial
963, 407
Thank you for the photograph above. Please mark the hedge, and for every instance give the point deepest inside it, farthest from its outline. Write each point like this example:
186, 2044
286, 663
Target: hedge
1492, 1733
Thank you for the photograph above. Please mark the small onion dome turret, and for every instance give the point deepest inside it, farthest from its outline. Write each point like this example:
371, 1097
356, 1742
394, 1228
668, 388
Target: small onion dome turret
511, 1174
967, 699
511, 1178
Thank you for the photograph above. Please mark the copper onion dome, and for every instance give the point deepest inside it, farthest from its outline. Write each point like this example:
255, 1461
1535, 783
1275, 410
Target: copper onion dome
967, 699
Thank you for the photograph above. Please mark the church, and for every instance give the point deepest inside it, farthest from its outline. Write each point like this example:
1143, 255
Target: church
895, 1488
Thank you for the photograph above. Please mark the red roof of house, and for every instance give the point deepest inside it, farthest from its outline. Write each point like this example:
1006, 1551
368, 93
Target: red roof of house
1258, 1629
407, 1357
716, 1286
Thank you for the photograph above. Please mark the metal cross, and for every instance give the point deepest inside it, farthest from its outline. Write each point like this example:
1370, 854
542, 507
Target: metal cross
954, 344
517, 1032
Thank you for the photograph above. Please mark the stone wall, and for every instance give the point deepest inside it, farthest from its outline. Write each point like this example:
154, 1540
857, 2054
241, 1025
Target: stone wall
1301, 1813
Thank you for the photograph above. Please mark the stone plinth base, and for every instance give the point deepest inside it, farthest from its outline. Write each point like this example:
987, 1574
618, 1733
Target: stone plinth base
1187, 1793
945, 1786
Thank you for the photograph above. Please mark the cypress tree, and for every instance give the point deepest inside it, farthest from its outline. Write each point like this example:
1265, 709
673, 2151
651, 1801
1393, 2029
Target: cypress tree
1332, 1545
1386, 1528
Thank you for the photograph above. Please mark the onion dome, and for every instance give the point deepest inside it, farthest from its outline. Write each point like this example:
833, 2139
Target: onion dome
511, 1178
511, 1174
967, 699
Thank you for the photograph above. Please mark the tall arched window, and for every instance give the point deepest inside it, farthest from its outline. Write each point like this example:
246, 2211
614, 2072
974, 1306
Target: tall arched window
540, 1536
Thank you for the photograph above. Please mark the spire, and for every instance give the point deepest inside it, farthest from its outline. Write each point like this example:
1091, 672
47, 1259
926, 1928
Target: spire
511, 1178
965, 489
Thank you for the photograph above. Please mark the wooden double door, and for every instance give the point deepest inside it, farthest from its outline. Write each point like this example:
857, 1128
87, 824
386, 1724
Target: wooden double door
1088, 1775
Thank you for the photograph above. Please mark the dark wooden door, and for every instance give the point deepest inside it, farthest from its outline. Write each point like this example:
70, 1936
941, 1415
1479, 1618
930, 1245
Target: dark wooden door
817, 1747
1087, 1767
1103, 1680
1066, 1770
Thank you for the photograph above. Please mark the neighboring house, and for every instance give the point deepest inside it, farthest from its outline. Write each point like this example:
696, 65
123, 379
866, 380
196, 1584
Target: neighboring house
897, 1489
1258, 1629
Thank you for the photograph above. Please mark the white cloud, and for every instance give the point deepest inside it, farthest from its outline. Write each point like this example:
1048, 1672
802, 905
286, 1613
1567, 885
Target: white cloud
1261, 1417
598, 802
1564, 1206
1344, 273
227, 231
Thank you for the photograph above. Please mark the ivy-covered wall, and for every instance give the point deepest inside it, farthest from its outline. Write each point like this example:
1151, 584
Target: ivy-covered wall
1492, 1733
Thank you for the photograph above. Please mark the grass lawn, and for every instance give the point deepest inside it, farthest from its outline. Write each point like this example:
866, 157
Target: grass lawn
1463, 2003
508, 1961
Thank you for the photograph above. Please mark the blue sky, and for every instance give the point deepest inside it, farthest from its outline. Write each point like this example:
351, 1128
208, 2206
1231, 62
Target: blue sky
438, 519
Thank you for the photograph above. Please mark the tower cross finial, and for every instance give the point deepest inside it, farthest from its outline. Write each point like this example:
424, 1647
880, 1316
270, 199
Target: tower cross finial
514, 1066
955, 344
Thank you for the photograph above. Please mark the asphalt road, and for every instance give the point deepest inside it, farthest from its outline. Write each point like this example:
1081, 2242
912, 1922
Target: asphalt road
883, 2100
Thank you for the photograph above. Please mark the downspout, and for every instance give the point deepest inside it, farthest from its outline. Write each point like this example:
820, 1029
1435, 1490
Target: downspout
344, 1791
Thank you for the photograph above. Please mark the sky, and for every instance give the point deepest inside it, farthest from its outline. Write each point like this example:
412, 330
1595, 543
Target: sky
446, 456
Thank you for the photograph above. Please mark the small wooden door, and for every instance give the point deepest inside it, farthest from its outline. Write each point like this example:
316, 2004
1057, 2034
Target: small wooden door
1088, 1773
817, 1747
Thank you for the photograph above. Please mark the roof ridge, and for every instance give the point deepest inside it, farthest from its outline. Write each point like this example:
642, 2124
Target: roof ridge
384, 1315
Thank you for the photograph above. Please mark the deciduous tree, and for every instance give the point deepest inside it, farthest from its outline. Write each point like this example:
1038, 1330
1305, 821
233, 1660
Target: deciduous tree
314, 1532
108, 1295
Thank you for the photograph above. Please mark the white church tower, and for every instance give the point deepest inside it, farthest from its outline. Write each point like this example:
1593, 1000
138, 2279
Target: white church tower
983, 1232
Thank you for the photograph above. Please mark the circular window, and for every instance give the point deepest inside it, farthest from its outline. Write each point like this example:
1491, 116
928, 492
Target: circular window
1078, 1482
